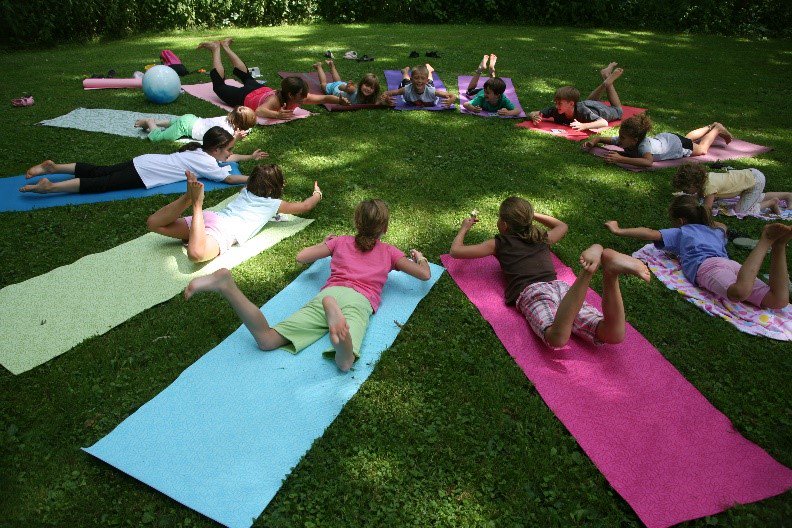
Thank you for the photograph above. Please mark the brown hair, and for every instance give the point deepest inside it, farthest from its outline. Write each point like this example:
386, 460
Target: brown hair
497, 85
690, 176
292, 87
518, 215
371, 222
266, 181
242, 118
636, 127
567, 93
214, 138
687, 208
369, 80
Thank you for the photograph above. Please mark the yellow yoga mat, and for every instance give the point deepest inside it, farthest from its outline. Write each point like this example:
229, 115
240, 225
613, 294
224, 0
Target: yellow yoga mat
45, 316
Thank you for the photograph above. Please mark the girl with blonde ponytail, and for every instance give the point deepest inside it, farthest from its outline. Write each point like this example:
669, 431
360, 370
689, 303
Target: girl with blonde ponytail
554, 309
700, 245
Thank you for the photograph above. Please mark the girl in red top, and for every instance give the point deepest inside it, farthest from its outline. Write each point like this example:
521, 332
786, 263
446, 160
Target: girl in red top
266, 102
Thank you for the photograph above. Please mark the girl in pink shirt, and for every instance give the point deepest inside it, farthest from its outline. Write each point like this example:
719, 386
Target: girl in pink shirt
263, 100
358, 270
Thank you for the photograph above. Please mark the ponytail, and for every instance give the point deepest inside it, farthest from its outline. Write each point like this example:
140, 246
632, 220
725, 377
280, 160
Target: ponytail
371, 222
518, 214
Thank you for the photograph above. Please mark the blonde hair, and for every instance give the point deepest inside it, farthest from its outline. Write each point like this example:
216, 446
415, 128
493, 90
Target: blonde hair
518, 215
242, 118
371, 222
421, 68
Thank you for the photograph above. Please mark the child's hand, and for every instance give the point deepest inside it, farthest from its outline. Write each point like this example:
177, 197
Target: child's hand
316, 188
588, 145
387, 100
258, 154
283, 113
503, 111
449, 99
343, 101
416, 255
536, 117
239, 134
577, 125
612, 226
476, 109
613, 157
468, 222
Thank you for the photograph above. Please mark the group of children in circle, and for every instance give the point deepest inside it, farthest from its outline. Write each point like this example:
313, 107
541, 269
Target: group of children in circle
360, 264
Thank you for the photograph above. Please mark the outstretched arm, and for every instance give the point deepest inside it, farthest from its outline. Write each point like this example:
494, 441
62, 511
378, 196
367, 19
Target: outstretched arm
313, 253
304, 206
644, 161
256, 155
460, 250
599, 123
641, 233
235, 178
324, 99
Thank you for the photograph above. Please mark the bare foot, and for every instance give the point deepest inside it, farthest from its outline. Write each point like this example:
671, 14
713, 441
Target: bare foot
45, 167
493, 60
615, 74
590, 258
336, 322
429, 67
196, 192
210, 45
140, 123
317, 65
621, 264
42, 186
774, 232
406, 71
226, 41
330, 62
723, 132
774, 206
483, 64
606, 71
214, 282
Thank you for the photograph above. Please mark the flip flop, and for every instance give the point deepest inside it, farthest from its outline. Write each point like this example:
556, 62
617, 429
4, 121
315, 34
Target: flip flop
329, 54
351, 55
365, 58
432, 54
414, 54
25, 100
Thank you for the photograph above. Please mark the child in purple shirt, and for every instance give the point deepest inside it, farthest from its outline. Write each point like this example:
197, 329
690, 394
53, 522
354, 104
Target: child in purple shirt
359, 268
700, 245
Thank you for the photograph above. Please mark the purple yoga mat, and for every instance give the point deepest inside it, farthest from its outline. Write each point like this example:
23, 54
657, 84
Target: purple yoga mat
204, 91
655, 438
393, 79
464, 81
718, 151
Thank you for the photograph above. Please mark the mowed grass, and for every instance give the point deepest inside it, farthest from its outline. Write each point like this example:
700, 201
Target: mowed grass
447, 431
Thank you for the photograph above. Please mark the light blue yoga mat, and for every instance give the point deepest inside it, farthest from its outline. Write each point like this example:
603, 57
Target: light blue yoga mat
223, 436
13, 200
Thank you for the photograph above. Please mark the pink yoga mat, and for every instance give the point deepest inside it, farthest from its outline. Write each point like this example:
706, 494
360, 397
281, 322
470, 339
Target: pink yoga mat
567, 132
464, 81
315, 87
98, 84
655, 438
718, 151
204, 91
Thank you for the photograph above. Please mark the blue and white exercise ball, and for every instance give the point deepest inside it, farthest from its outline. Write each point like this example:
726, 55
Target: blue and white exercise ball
161, 84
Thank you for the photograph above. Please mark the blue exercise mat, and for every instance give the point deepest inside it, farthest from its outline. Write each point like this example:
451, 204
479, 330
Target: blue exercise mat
223, 436
13, 200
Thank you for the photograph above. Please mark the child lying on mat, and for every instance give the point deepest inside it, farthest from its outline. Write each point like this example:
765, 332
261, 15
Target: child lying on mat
146, 171
208, 233
417, 88
265, 101
238, 122
748, 184
358, 270
491, 97
584, 115
367, 91
700, 245
554, 309
643, 151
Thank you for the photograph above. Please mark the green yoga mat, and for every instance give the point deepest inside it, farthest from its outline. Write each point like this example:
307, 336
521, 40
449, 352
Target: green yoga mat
45, 316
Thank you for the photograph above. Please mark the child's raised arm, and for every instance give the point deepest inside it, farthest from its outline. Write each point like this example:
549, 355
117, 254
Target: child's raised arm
304, 206
417, 265
460, 250
557, 228
641, 233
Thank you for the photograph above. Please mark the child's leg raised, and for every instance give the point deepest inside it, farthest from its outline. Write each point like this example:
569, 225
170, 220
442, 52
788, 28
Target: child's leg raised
493, 59
235, 60
743, 285
614, 264
779, 274
607, 85
221, 282
322, 76
475, 79
200, 247
557, 334
217, 61
339, 333
333, 70
704, 137
167, 221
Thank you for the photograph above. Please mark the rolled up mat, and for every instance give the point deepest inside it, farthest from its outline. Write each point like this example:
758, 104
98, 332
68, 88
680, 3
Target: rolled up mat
99, 84
661, 445
224, 435
567, 132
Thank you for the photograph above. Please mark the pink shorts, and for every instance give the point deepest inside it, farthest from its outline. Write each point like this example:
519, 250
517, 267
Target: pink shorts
716, 274
213, 227
539, 301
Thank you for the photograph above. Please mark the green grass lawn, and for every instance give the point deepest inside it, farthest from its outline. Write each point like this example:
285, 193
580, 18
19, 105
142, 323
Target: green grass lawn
447, 431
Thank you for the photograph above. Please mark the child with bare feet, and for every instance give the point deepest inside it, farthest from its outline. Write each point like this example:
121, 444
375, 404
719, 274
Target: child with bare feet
700, 245
417, 88
146, 171
491, 97
238, 122
642, 150
748, 184
367, 91
359, 268
266, 102
588, 114
208, 233
554, 309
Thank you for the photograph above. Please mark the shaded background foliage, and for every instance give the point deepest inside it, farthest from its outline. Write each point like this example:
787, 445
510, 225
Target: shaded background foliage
41, 22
